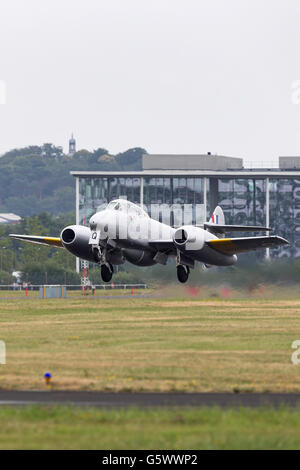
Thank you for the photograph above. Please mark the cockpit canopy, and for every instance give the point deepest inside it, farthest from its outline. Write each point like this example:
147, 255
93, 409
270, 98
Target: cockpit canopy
126, 206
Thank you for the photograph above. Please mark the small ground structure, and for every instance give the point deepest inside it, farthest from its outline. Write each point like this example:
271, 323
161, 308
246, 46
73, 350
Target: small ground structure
52, 292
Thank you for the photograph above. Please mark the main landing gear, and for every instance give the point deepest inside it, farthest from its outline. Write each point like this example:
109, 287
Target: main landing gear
183, 273
107, 271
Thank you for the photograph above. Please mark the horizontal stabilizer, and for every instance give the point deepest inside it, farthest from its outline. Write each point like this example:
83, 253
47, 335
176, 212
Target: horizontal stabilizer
231, 246
235, 228
48, 241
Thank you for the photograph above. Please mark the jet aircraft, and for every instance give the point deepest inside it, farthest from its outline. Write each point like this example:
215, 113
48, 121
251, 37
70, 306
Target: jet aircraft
123, 231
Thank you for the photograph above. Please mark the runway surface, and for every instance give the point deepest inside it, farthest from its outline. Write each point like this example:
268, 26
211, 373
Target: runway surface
144, 400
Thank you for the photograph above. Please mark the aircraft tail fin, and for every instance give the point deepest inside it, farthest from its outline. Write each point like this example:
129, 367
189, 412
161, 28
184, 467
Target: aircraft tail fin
217, 217
217, 225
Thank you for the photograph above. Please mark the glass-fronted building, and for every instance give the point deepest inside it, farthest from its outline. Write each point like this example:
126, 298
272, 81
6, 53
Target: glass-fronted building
247, 197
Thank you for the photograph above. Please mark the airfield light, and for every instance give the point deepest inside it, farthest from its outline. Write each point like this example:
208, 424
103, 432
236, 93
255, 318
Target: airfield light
47, 377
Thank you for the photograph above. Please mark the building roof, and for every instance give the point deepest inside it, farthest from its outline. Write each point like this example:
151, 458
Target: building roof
201, 165
191, 162
253, 173
9, 218
289, 163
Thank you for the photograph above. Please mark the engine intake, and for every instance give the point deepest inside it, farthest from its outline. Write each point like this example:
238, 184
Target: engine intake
68, 235
181, 236
75, 239
189, 238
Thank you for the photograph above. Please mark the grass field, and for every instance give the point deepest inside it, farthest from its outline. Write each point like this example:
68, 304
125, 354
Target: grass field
167, 344
75, 428
195, 341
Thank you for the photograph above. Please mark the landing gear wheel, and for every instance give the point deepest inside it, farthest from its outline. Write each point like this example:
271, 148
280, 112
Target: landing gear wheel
106, 272
182, 273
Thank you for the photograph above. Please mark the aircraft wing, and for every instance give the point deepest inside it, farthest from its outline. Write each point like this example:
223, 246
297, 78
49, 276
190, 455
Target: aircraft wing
166, 246
231, 246
48, 241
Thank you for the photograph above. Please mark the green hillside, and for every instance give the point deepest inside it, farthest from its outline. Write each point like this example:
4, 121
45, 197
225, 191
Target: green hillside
37, 179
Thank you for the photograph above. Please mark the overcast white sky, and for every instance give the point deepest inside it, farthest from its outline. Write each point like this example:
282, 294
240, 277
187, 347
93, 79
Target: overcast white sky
172, 76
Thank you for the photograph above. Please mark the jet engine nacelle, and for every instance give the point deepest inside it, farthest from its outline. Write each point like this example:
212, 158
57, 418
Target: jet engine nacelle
75, 239
189, 238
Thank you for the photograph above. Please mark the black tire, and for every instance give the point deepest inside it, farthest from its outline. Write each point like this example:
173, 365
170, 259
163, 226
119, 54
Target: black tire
106, 272
183, 273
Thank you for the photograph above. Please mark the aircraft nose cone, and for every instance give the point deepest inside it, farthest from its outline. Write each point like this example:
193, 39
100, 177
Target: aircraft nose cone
98, 221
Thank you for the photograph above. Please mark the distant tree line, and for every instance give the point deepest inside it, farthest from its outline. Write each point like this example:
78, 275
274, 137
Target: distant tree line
37, 179
38, 264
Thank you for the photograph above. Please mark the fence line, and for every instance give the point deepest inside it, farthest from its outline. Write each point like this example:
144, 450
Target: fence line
36, 287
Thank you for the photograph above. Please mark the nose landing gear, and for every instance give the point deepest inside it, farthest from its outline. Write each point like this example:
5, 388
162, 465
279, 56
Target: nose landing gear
100, 255
106, 268
183, 273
